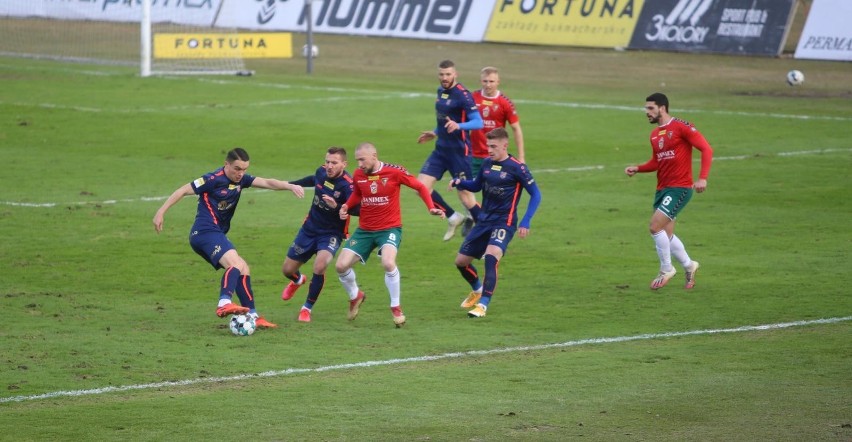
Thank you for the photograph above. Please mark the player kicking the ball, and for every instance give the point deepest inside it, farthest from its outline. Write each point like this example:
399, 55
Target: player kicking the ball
218, 195
671, 157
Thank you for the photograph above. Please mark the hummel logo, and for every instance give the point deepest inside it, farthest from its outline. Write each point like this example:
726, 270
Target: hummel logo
267, 11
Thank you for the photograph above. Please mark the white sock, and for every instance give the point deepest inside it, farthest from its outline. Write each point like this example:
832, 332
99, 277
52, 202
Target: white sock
392, 282
661, 240
349, 283
679, 251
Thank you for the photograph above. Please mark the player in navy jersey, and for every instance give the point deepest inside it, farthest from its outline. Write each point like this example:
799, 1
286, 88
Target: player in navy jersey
323, 231
218, 195
456, 114
501, 180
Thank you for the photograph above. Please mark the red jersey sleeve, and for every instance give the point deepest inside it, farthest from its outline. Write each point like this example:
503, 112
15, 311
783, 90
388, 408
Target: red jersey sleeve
421, 189
698, 141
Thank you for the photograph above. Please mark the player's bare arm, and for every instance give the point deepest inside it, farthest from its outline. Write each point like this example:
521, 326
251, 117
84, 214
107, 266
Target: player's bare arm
519, 140
273, 184
176, 196
426, 135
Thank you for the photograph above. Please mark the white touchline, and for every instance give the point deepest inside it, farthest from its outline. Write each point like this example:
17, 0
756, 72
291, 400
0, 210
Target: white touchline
564, 169
366, 364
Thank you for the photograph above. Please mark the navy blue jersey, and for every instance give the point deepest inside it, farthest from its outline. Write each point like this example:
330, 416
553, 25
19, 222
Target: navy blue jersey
501, 183
322, 219
218, 197
456, 103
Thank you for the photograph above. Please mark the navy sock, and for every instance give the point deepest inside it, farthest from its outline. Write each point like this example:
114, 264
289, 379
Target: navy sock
317, 281
441, 204
230, 279
244, 292
490, 282
470, 275
295, 277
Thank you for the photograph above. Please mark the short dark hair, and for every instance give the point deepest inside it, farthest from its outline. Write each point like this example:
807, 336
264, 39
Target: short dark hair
237, 153
498, 133
660, 99
334, 150
446, 64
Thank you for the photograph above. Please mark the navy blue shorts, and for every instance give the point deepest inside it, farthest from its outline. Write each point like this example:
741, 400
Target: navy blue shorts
305, 246
441, 161
480, 237
211, 246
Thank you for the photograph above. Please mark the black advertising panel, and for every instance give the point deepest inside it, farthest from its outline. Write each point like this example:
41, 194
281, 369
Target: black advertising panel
748, 27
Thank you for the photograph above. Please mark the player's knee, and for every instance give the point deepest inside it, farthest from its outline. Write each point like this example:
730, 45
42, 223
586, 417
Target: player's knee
341, 267
320, 267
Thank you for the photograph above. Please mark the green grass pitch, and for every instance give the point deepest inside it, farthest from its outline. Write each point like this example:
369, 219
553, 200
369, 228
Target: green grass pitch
109, 330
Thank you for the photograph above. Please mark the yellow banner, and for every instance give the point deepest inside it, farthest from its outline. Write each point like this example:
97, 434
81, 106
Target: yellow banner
243, 45
591, 23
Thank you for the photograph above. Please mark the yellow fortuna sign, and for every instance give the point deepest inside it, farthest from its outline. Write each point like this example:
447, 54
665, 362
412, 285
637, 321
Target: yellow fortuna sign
252, 45
594, 23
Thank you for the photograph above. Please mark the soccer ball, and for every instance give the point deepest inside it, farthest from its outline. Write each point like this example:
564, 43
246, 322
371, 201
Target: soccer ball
795, 78
242, 325
314, 51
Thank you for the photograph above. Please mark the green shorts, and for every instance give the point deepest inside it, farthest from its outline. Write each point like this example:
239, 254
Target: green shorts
475, 166
363, 242
671, 200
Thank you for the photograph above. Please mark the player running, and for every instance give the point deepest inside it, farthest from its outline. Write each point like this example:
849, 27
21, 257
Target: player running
500, 181
456, 114
671, 157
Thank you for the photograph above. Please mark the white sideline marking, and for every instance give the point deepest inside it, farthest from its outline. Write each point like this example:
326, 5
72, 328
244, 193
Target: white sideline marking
536, 171
396, 95
367, 364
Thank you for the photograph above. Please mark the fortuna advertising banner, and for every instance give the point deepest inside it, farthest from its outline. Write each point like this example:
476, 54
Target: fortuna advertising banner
827, 34
590, 23
748, 27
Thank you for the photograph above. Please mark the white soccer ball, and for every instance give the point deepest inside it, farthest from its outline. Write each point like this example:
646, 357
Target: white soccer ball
795, 78
242, 325
314, 51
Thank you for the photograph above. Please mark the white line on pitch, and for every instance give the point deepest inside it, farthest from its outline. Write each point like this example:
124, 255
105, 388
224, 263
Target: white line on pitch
387, 95
367, 364
564, 169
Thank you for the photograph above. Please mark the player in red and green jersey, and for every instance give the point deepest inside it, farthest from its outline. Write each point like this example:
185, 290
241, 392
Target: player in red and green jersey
496, 110
218, 195
672, 142
376, 191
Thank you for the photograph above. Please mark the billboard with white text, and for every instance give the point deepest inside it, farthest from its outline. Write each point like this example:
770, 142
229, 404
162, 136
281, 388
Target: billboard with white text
748, 27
